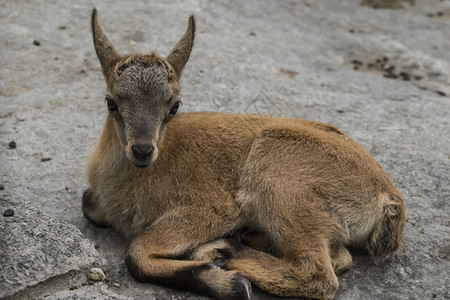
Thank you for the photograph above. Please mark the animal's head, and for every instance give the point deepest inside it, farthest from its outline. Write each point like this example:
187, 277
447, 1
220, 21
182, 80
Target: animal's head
142, 93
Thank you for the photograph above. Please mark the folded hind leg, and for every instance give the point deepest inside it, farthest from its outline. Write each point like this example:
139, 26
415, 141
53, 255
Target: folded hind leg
341, 258
310, 275
280, 191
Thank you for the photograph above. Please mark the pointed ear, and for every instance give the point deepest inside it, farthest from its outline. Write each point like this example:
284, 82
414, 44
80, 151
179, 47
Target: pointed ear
179, 55
106, 53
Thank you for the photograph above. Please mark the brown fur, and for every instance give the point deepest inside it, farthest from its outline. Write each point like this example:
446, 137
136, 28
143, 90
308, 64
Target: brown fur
306, 190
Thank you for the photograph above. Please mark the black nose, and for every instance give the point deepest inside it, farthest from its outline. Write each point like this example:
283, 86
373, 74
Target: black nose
142, 152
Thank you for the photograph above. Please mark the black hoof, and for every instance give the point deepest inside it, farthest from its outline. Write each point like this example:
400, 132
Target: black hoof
242, 288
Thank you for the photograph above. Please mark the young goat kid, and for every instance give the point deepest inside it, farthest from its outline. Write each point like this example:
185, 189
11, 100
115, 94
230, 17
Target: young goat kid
179, 186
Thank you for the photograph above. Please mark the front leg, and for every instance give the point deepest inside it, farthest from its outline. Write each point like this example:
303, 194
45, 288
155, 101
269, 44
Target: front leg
91, 209
160, 254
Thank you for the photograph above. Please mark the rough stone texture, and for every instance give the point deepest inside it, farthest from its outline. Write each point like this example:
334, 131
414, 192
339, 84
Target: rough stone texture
39, 252
97, 292
291, 58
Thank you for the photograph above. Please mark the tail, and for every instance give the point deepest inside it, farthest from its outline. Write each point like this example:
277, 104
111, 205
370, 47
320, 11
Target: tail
387, 237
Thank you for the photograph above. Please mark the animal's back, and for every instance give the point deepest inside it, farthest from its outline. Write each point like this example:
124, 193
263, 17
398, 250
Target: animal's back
311, 160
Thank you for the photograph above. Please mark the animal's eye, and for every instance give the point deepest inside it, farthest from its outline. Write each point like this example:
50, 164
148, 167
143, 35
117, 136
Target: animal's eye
175, 107
111, 104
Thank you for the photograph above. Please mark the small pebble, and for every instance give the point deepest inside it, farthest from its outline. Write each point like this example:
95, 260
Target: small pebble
2, 187
8, 213
12, 145
440, 93
352, 31
116, 284
440, 14
96, 274
36, 43
45, 157
62, 27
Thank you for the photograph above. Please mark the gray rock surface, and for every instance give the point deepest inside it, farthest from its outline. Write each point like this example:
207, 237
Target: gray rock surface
96, 291
320, 60
39, 254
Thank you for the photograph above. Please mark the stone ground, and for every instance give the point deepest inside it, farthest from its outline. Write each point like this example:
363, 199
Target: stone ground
381, 75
